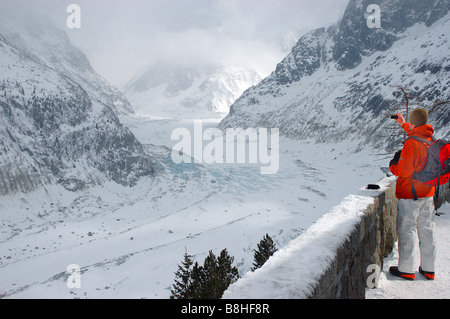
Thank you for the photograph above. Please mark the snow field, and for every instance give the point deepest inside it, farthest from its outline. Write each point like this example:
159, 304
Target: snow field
128, 241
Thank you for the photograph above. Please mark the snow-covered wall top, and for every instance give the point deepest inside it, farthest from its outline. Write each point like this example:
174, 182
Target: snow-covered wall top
296, 271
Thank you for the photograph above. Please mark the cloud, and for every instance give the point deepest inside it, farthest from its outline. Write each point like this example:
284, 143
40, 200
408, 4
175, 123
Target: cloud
121, 38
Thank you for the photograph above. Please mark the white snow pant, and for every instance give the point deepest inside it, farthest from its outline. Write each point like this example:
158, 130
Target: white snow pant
416, 218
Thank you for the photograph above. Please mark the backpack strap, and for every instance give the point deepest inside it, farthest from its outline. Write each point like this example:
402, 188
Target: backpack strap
422, 139
414, 191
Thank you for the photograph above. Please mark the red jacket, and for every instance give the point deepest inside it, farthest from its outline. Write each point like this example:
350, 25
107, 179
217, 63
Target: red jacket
413, 159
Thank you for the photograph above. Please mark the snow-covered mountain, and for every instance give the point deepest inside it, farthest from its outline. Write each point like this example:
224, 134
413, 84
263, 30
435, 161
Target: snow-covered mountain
188, 91
58, 121
56, 127
343, 82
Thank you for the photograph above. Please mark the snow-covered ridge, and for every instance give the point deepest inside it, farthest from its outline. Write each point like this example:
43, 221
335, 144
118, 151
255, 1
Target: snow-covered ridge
57, 116
324, 93
38, 38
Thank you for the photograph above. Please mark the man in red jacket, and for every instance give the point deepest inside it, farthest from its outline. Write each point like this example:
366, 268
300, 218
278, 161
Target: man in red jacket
415, 218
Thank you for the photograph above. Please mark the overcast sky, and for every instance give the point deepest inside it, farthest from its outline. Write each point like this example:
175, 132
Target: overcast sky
122, 37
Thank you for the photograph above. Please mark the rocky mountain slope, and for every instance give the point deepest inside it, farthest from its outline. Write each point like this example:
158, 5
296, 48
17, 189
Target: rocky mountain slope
188, 91
58, 121
344, 82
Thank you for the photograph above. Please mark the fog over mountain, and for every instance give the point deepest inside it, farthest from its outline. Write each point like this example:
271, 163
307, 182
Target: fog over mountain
123, 38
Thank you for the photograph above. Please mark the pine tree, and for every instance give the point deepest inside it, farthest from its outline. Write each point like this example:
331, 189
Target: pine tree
266, 248
197, 279
183, 282
226, 272
218, 274
204, 282
211, 283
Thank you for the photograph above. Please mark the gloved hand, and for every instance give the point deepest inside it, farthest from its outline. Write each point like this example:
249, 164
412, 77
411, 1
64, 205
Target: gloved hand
396, 158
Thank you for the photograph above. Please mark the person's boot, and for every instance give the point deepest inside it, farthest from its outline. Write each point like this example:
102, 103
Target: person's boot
427, 274
397, 273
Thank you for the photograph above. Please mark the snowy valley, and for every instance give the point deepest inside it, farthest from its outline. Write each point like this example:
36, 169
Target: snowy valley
87, 177
128, 241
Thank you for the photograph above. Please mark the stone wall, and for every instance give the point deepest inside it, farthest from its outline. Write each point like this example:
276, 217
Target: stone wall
444, 196
369, 242
331, 259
